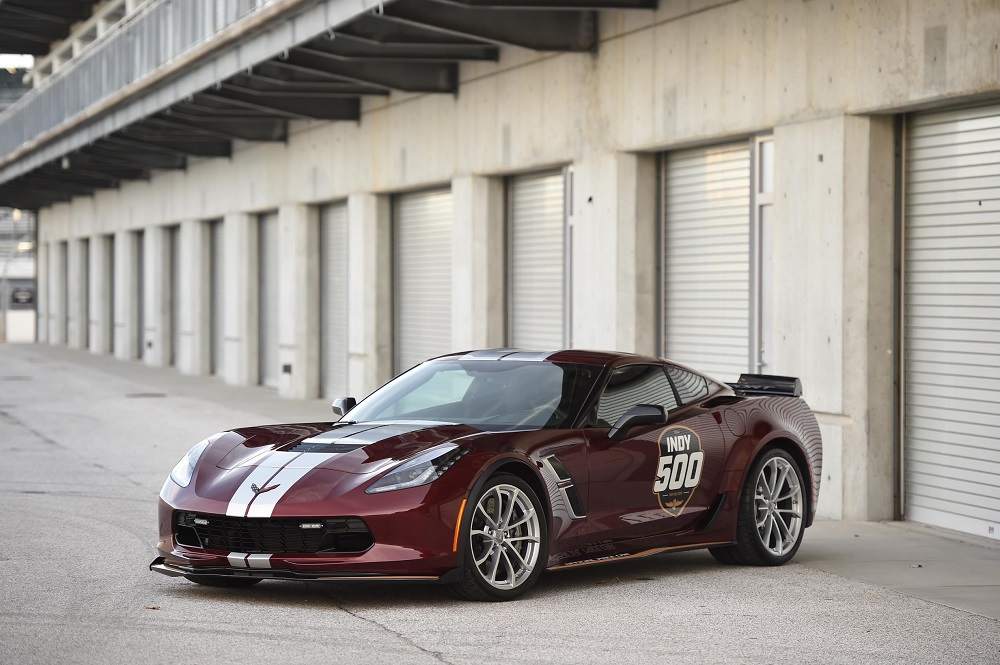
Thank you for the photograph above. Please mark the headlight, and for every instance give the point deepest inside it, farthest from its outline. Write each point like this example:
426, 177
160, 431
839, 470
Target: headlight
185, 468
420, 470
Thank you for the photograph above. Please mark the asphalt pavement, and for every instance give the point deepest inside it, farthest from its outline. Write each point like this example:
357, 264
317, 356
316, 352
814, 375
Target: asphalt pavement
87, 441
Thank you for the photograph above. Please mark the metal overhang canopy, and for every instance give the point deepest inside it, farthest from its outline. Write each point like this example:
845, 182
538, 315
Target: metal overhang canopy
30, 26
411, 46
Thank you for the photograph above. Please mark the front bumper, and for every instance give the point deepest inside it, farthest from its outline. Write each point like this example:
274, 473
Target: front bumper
181, 569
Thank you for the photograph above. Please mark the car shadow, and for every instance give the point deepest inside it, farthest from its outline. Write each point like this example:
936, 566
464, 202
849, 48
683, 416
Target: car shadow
355, 596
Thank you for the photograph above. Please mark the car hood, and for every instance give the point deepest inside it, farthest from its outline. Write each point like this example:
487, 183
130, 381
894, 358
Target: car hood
281, 470
357, 448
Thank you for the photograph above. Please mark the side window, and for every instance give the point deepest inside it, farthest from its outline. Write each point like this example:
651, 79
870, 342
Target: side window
689, 386
631, 385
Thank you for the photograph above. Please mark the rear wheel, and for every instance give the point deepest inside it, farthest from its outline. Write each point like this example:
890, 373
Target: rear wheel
224, 582
505, 538
771, 514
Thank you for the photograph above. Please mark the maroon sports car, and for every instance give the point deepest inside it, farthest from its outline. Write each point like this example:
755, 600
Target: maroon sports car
481, 469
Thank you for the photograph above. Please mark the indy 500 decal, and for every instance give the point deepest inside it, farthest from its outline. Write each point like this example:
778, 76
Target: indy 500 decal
679, 469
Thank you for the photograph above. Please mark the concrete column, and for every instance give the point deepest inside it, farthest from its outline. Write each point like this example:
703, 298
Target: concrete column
58, 259
833, 300
298, 288
194, 354
126, 294
156, 297
42, 292
369, 335
99, 298
241, 355
612, 252
637, 254
78, 293
869, 457
478, 308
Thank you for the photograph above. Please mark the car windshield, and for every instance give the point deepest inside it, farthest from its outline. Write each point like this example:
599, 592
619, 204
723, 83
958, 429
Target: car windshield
488, 394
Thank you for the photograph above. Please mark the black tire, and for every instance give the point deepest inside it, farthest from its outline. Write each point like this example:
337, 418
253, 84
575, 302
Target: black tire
507, 584
224, 582
782, 519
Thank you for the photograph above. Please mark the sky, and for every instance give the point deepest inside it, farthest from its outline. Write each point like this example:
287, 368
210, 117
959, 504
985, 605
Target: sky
7, 60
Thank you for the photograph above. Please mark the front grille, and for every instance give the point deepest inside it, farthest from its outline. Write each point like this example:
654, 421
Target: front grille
273, 536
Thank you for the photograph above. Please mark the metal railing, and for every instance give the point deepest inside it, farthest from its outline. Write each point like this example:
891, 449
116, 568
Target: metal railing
140, 44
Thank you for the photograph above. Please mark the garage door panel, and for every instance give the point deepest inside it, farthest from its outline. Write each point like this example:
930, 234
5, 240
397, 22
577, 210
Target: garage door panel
422, 230
956, 480
965, 451
958, 498
333, 298
947, 501
536, 284
968, 409
216, 294
269, 263
988, 380
952, 462
707, 248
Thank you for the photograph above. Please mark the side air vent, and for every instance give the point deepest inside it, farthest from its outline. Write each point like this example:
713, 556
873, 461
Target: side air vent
567, 487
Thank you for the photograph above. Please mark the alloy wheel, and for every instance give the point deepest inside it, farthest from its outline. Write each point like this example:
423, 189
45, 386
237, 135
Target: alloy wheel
778, 505
505, 537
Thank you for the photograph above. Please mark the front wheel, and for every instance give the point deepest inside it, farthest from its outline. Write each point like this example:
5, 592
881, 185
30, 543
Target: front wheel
505, 539
771, 514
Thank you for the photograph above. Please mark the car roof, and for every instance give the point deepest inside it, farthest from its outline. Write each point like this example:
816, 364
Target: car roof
580, 356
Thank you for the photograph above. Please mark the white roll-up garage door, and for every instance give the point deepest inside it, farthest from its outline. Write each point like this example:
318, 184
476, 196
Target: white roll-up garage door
706, 259
217, 307
536, 273
174, 235
422, 269
269, 265
333, 294
951, 455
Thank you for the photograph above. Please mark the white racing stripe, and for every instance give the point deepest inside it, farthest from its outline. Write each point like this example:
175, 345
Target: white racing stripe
263, 505
277, 460
245, 494
238, 559
279, 470
259, 561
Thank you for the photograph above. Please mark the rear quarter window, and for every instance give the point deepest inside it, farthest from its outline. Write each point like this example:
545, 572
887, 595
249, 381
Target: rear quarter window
690, 387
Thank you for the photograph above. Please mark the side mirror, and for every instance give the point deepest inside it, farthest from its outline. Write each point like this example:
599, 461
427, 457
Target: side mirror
342, 405
641, 414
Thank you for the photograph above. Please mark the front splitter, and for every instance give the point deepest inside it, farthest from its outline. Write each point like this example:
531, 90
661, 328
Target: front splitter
179, 569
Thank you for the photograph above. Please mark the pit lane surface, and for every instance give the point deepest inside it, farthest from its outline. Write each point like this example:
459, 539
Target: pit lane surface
86, 442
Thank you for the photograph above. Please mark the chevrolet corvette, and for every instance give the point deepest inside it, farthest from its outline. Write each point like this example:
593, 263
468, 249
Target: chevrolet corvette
480, 470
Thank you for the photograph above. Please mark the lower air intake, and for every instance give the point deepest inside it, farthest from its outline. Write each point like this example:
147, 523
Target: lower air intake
334, 535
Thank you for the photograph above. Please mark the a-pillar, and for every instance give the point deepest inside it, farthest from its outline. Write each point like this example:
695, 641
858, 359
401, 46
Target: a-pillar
369, 297
478, 262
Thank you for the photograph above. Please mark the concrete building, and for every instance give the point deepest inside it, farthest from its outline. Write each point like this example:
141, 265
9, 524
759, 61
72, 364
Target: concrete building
315, 194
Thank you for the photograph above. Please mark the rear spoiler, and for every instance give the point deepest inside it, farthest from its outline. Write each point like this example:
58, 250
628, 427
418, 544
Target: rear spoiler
767, 384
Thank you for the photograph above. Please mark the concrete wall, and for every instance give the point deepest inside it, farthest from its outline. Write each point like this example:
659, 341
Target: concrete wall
826, 78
